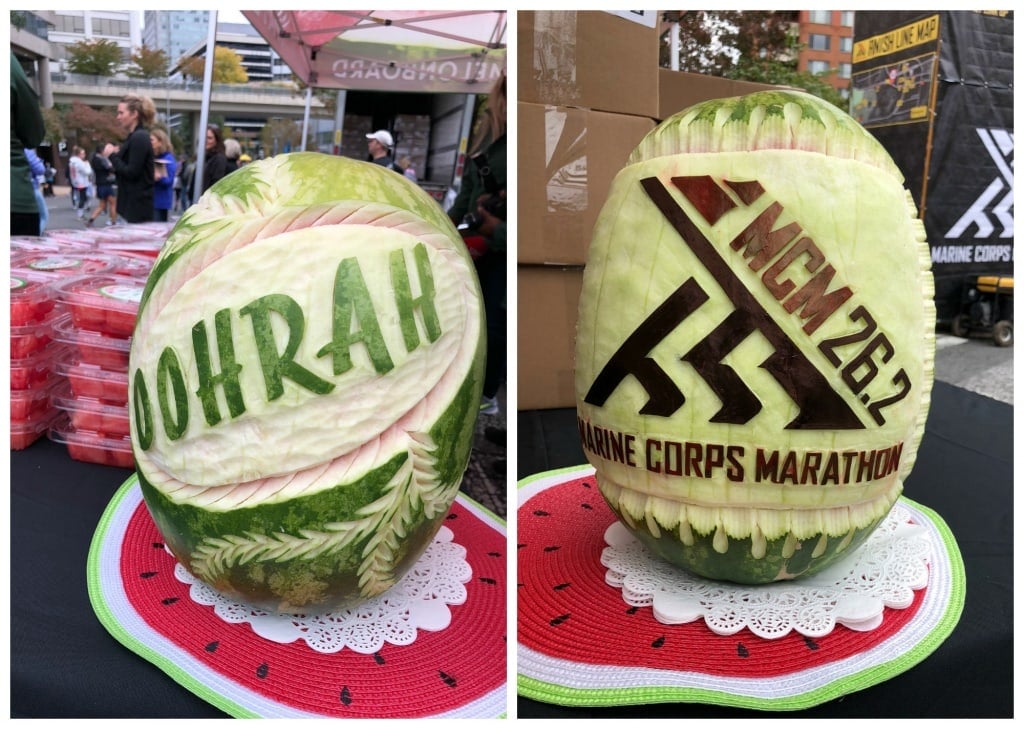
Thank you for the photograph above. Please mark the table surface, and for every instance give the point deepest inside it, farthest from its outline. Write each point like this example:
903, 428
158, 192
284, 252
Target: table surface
65, 664
964, 472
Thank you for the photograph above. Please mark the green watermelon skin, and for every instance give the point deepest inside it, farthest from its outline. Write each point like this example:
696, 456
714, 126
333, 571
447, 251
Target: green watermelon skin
330, 516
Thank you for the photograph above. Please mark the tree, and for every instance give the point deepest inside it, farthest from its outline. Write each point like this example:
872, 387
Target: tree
227, 67
53, 122
277, 134
87, 127
99, 57
753, 46
149, 63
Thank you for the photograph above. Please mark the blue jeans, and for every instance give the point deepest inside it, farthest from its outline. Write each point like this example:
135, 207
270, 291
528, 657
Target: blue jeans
44, 213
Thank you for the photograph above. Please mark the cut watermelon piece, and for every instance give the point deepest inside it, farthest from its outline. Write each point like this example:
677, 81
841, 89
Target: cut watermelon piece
87, 380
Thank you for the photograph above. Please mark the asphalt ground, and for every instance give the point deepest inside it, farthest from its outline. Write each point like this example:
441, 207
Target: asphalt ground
975, 364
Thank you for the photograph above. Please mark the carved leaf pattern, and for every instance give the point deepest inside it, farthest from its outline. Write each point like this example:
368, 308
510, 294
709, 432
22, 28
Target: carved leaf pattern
386, 520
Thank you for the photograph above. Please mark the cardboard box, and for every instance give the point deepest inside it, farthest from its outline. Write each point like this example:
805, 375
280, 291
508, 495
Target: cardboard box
678, 90
548, 298
567, 160
591, 59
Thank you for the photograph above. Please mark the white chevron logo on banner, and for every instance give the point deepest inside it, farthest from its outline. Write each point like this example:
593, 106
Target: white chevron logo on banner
999, 144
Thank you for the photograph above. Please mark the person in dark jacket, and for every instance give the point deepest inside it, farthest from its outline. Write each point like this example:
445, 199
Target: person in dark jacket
483, 195
106, 196
26, 133
216, 164
133, 159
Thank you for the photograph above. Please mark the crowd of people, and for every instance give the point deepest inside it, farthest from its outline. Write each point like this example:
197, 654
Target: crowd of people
139, 179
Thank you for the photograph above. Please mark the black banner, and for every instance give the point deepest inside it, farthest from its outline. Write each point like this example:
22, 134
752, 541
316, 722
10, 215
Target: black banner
936, 89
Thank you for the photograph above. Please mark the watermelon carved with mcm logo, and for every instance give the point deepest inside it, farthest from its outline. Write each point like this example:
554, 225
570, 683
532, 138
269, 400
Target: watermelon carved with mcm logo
305, 374
755, 346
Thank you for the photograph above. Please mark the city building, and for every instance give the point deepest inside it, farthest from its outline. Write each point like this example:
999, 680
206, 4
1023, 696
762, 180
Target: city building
826, 37
124, 27
174, 31
259, 60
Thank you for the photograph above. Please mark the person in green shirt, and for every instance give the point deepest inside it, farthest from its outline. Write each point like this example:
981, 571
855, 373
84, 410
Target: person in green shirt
27, 131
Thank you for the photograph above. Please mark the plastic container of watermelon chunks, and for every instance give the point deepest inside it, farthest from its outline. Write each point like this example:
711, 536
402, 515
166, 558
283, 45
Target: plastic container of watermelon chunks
26, 432
104, 303
30, 243
32, 298
30, 405
92, 446
34, 371
88, 414
97, 383
133, 265
63, 265
28, 339
92, 347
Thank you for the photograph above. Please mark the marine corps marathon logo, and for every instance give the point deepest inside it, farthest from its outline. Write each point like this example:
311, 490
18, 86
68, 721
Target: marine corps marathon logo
864, 356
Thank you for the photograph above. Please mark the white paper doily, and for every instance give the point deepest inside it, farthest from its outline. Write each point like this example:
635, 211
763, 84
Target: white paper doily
418, 602
882, 572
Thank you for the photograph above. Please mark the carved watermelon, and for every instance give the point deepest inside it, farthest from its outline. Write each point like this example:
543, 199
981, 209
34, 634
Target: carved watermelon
305, 376
755, 346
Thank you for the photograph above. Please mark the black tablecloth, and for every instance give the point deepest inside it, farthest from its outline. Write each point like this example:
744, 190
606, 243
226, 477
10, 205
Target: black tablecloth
65, 664
964, 472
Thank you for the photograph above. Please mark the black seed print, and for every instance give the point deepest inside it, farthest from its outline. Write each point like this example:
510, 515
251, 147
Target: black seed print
451, 516
262, 671
346, 696
520, 546
552, 548
449, 680
810, 643
378, 659
488, 580
169, 600
158, 545
741, 651
586, 485
494, 554
147, 575
559, 620
541, 512
212, 647
562, 586
632, 610
587, 506
520, 584
658, 642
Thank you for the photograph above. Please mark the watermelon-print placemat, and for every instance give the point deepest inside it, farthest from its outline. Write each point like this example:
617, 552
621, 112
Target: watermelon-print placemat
459, 671
580, 644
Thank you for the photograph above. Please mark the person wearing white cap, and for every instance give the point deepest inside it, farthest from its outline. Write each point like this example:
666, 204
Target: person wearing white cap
380, 144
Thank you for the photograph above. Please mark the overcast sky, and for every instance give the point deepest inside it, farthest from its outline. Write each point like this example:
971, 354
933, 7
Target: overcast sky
223, 16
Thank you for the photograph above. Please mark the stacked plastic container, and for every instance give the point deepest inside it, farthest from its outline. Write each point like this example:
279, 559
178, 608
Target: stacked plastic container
74, 300
34, 354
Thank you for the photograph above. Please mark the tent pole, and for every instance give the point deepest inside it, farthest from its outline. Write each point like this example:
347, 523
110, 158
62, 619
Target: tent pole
339, 119
464, 140
204, 113
305, 117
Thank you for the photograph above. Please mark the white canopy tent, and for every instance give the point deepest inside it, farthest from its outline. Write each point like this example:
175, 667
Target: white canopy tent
449, 51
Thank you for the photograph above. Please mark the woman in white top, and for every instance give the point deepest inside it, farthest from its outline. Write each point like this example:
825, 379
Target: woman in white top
81, 178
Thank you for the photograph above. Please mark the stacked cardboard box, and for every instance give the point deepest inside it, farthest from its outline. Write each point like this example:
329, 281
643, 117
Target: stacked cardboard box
589, 90
353, 136
412, 139
588, 93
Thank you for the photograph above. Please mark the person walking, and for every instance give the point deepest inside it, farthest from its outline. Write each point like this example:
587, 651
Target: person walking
133, 159
164, 175
106, 190
484, 193
232, 150
215, 166
27, 131
188, 178
38, 176
81, 175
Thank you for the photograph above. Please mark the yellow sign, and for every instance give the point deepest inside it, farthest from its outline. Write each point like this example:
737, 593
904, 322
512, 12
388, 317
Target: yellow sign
917, 33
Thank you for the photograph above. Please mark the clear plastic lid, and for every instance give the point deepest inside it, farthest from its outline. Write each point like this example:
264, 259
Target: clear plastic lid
92, 414
27, 339
93, 347
92, 381
91, 445
105, 303
32, 297
64, 264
